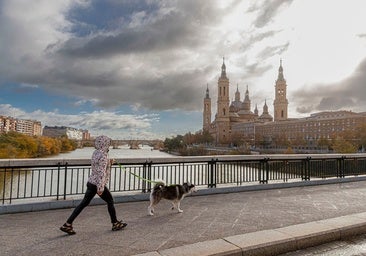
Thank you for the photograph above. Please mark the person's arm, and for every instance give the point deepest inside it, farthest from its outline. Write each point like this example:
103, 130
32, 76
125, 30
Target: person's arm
102, 173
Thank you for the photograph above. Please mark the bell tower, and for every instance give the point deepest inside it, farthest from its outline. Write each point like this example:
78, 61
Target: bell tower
280, 103
223, 101
207, 111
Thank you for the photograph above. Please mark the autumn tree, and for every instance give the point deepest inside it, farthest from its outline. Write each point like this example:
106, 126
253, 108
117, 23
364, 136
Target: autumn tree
18, 145
341, 145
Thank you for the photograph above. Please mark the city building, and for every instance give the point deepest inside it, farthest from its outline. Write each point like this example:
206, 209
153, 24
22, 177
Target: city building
236, 120
69, 132
86, 134
34, 128
28, 127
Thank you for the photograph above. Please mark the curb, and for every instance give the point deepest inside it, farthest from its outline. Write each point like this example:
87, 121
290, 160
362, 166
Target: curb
275, 241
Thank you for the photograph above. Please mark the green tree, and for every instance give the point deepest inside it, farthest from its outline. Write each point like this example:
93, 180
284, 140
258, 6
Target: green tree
205, 138
173, 144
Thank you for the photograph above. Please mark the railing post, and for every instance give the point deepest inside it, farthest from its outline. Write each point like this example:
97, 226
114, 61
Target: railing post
149, 164
263, 171
4, 185
144, 176
58, 180
212, 173
11, 185
65, 181
305, 172
341, 167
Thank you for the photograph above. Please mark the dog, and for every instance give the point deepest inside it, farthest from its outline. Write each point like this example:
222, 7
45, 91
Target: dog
173, 193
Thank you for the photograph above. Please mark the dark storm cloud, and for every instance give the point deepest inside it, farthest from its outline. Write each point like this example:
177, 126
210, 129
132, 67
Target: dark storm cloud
181, 27
267, 10
159, 59
349, 94
168, 36
179, 90
158, 37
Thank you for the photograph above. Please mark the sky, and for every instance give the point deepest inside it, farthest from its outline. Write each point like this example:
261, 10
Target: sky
139, 69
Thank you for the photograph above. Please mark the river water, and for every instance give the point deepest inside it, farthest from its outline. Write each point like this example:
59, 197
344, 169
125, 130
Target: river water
40, 182
121, 152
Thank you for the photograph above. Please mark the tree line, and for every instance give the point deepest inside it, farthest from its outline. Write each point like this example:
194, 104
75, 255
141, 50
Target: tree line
17, 145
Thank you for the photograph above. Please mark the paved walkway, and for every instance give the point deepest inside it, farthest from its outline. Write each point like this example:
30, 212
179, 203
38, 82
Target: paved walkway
205, 219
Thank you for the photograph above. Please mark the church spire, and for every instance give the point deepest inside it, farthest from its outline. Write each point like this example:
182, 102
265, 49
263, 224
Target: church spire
237, 93
207, 93
280, 72
246, 102
265, 107
223, 68
246, 94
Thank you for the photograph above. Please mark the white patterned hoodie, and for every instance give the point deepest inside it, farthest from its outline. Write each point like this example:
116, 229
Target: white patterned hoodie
100, 163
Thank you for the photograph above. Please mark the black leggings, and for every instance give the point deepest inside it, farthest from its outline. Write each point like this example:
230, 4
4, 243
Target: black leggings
91, 191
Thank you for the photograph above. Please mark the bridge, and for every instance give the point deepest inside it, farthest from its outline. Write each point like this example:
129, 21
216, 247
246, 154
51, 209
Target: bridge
251, 219
132, 143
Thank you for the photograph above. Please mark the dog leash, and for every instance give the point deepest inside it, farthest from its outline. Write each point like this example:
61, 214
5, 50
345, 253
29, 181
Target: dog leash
137, 176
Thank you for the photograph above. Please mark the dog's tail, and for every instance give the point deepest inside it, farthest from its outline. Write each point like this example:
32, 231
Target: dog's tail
159, 184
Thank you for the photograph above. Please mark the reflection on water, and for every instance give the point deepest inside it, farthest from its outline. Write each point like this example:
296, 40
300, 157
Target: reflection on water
13, 180
121, 152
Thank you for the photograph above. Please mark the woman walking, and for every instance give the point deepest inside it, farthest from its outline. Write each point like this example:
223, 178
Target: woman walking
101, 170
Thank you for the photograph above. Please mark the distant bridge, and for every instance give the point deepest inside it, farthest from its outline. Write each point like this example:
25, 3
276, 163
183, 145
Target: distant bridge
156, 144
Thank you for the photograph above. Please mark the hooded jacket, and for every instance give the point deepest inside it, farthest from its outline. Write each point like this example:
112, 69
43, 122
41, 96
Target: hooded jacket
100, 164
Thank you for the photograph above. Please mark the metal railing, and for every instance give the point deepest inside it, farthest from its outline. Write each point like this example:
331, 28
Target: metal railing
61, 178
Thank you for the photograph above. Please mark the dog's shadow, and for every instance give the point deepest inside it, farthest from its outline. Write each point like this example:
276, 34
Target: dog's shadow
163, 211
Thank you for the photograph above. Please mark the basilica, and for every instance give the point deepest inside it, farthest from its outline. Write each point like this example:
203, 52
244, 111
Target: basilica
236, 119
230, 114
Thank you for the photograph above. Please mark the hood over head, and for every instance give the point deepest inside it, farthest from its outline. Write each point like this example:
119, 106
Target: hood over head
102, 143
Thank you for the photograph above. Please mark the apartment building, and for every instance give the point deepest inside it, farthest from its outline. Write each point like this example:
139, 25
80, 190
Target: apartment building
28, 127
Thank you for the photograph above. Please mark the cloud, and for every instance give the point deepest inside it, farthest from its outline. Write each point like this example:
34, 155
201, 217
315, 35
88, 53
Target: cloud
146, 62
267, 10
157, 58
273, 51
113, 124
175, 25
350, 93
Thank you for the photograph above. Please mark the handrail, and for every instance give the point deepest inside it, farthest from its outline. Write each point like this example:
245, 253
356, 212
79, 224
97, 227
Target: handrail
22, 179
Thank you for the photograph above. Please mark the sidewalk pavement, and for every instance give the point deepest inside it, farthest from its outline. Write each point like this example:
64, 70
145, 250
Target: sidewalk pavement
265, 222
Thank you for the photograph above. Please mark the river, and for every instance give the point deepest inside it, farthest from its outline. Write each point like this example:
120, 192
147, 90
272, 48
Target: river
121, 152
25, 183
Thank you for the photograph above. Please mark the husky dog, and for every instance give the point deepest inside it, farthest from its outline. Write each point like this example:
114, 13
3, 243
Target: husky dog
174, 193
